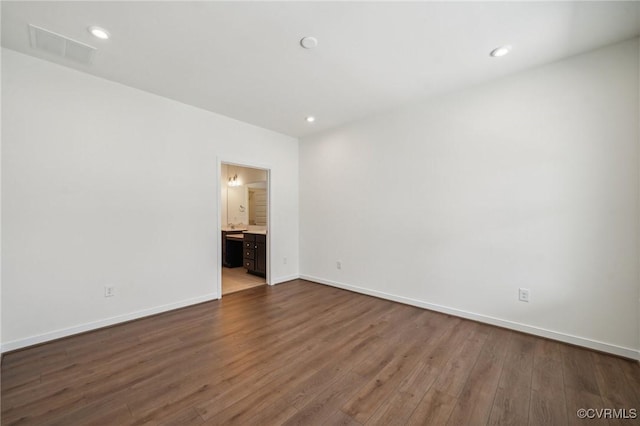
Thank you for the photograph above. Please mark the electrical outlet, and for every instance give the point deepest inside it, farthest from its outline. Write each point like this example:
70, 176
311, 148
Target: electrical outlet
523, 294
339, 264
284, 260
109, 291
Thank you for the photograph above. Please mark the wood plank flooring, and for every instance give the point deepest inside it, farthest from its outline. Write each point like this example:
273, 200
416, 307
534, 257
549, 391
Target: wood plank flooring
306, 354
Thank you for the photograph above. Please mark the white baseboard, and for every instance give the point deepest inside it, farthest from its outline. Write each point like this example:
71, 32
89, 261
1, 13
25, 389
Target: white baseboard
537, 331
57, 334
284, 279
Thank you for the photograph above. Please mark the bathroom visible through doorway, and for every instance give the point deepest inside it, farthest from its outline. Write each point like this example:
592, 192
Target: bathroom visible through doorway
244, 227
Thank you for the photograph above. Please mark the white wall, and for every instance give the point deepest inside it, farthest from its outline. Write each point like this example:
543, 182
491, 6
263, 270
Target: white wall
103, 184
0, 214
453, 204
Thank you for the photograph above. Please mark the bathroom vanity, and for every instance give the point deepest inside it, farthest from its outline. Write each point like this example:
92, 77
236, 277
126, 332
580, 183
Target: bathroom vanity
255, 252
232, 248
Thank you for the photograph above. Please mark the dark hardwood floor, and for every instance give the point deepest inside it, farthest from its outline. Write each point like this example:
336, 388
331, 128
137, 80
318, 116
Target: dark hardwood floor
308, 354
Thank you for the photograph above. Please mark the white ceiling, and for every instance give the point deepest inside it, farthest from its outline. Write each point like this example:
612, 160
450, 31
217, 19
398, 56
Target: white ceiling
243, 59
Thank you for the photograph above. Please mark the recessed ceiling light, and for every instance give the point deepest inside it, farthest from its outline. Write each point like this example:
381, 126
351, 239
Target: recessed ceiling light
500, 51
310, 119
309, 42
100, 33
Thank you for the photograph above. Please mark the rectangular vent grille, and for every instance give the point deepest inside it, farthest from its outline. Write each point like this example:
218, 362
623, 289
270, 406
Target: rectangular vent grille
61, 46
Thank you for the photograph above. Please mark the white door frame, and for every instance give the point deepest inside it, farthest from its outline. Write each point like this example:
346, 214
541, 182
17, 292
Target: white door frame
240, 163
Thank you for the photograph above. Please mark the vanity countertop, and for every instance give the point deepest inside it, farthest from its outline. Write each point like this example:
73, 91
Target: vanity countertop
256, 232
238, 230
235, 237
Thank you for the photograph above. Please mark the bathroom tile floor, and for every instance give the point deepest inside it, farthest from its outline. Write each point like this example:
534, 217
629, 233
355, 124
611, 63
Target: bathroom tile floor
237, 279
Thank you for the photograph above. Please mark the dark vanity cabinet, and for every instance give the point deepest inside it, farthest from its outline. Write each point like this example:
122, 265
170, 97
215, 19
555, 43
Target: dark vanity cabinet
232, 248
255, 253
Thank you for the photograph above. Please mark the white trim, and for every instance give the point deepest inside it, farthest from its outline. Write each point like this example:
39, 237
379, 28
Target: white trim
64, 332
284, 279
638, 199
269, 228
219, 226
537, 331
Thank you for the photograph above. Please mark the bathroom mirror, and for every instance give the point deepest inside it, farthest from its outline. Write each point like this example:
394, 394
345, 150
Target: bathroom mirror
244, 196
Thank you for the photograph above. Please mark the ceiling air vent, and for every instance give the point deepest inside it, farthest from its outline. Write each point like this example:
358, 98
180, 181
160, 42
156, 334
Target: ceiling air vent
58, 45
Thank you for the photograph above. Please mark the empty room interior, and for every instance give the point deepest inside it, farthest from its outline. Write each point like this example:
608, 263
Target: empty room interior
320, 213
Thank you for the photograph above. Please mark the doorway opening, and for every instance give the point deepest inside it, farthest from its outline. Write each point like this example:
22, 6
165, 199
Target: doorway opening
244, 219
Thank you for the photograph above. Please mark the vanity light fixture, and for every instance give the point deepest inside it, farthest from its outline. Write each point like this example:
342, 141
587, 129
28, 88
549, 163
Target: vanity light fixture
500, 51
100, 33
310, 119
233, 181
